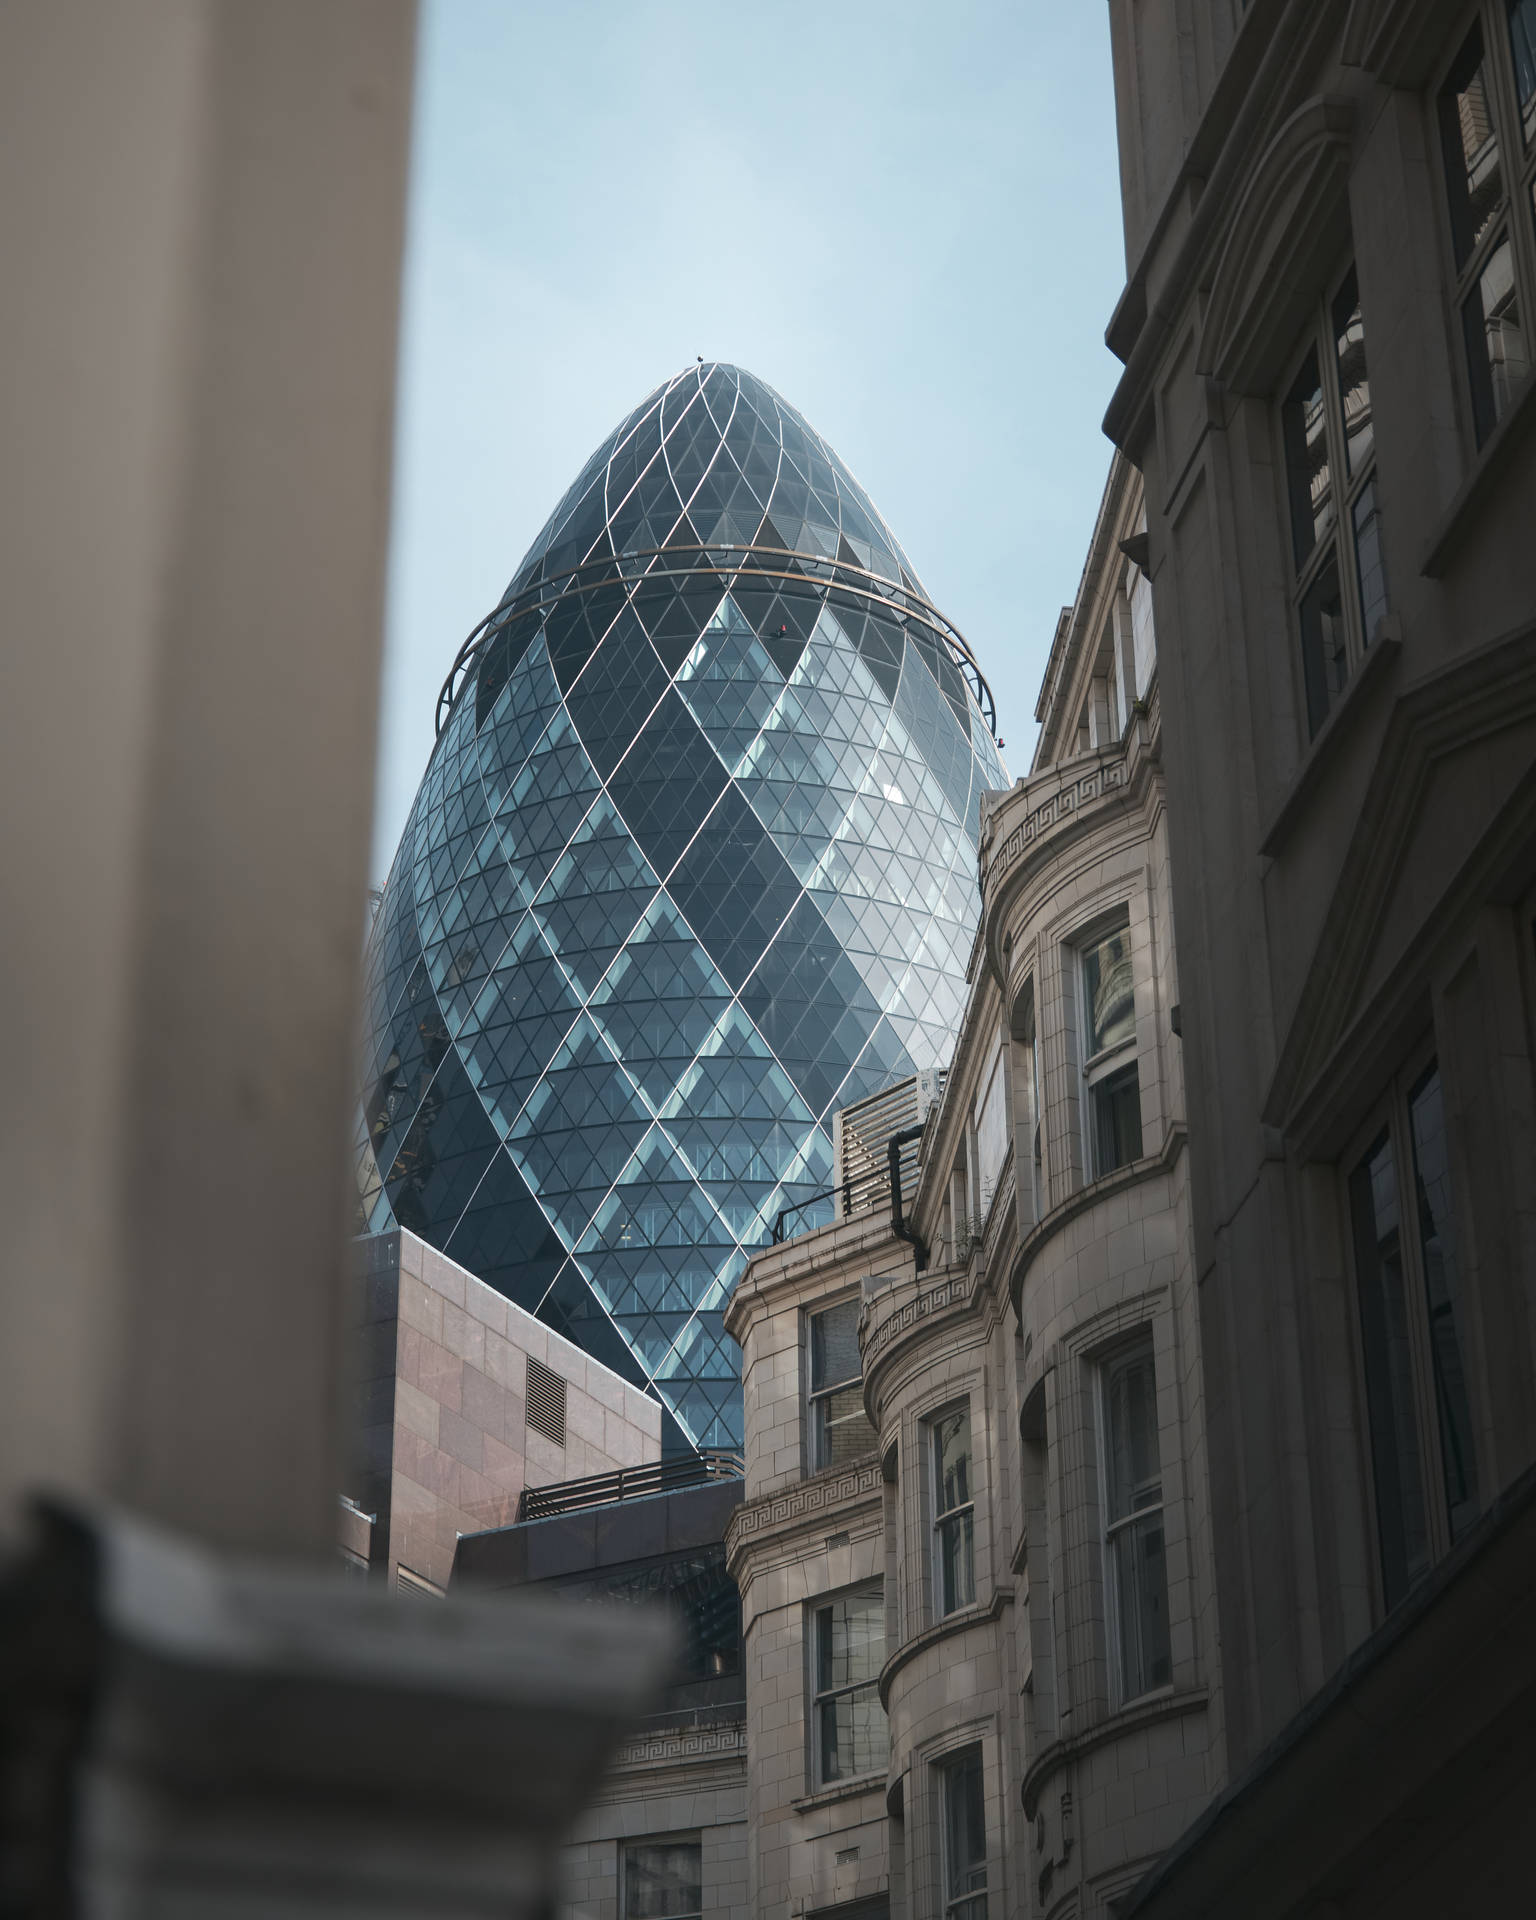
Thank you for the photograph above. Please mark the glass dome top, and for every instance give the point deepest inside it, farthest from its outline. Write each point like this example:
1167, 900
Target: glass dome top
692, 866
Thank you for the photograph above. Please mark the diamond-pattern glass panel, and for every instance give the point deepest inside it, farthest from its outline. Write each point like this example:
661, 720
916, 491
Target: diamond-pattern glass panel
692, 864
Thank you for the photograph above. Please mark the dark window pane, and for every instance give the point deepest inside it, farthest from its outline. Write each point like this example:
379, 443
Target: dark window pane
1400, 1520
1141, 1606
1474, 173
1370, 568
1309, 483
1498, 357
850, 1641
1116, 1121
663, 1880
835, 1345
1133, 1470
1324, 659
1354, 381
1442, 1289
965, 1835
1522, 44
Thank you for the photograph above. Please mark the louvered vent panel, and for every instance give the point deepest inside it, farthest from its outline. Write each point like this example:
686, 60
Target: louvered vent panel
546, 1402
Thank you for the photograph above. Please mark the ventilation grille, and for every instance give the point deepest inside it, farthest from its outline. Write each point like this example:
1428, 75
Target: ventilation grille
546, 1402
408, 1581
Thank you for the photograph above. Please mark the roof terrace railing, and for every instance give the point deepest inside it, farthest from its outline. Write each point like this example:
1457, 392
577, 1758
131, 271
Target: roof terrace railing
628, 1483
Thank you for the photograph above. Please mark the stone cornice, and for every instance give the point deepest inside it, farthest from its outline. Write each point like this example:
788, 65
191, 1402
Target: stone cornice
980, 1615
682, 1747
886, 1329
1051, 815
775, 1271
1479, 695
1153, 1167
1072, 1746
802, 1507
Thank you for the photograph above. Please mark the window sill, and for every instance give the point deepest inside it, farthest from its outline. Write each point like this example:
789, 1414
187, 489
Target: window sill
840, 1790
1456, 522
1383, 649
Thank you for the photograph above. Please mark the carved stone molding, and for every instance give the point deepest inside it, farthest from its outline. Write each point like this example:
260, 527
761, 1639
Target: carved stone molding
808, 1500
681, 1746
1059, 810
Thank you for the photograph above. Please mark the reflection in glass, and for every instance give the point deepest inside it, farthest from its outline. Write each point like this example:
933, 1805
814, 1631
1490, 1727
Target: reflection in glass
1401, 1526
1442, 1291
1354, 382
1498, 357
852, 1734
1370, 567
954, 1510
1324, 659
1474, 173
1111, 1003
1522, 44
1133, 1503
1309, 482
840, 1428
663, 1880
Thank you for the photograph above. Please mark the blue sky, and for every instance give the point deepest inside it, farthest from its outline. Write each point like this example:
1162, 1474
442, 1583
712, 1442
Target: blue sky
904, 217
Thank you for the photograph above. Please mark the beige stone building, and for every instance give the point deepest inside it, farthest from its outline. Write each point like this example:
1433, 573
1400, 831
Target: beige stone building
974, 1552
1326, 330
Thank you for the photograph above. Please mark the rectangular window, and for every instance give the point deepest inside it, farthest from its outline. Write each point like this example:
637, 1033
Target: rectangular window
840, 1428
851, 1733
954, 1511
991, 1123
1412, 1339
663, 1879
963, 1836
1487, 113
1328, 434
1133, 1525
1112, 1085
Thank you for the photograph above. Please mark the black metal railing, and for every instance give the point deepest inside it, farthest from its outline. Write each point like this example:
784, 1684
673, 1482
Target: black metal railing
628, 1483
862, 1193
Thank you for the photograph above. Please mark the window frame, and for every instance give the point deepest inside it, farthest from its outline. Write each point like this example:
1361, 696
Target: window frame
1139, 1342
824, 1696
1112, 1063
1390, 1122
818, 1397
967, 1903
1517, 168
961, 1512
1319, 342
688, 1836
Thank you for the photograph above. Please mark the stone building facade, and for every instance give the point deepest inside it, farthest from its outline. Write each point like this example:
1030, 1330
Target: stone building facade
1331, 274
463, 1400
974, 1552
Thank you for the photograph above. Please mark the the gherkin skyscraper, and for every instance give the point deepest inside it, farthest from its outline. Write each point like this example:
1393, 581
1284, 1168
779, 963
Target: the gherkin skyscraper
692, 866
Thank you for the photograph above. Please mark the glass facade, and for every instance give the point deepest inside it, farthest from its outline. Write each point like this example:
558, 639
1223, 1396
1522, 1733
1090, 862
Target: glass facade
692, 865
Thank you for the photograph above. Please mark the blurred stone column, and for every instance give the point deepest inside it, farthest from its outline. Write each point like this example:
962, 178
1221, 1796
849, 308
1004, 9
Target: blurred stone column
200, 235
201, 210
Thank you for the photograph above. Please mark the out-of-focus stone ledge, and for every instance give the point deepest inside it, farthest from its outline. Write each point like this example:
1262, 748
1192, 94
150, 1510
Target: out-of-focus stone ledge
183, 1733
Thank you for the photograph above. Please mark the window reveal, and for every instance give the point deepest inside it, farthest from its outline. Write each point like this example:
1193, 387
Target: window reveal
954, 1511
1133, 1525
